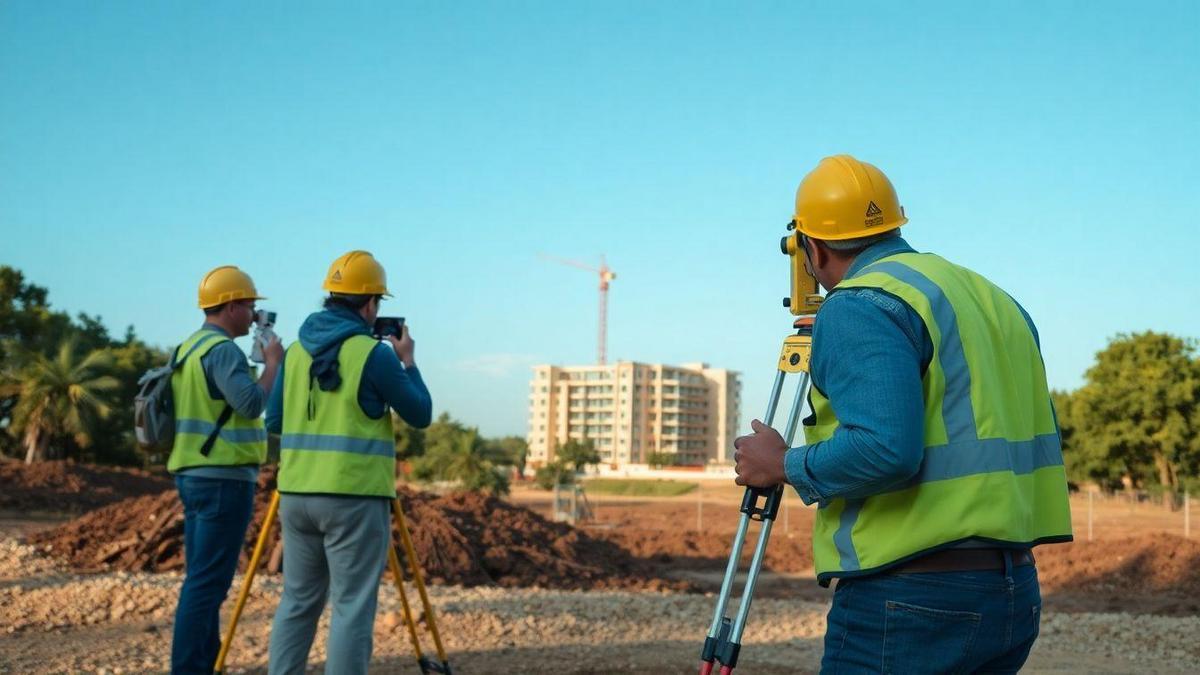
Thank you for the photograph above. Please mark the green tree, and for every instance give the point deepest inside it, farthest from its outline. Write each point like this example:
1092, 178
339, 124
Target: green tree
114, 442
410, 441
553, 473
1136, 417
578, 454
458, 453
28, 326
26, 320
60, 398
661, 459
513, 450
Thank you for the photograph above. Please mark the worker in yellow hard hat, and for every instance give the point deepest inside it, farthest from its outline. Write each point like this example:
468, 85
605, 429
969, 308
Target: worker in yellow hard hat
219, 444
337, 465
931, 449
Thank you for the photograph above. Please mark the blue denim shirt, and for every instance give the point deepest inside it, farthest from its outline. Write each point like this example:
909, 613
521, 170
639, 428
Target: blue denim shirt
870, 351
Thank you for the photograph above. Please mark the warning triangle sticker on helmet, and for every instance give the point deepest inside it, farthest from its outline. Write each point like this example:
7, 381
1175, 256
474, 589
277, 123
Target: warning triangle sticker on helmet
337, 276
873, 210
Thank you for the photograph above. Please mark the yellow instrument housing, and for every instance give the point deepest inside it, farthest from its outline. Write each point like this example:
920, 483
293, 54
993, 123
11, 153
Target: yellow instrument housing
805, 296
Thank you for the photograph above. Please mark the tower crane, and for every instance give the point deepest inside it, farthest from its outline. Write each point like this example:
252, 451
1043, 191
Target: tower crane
606, 276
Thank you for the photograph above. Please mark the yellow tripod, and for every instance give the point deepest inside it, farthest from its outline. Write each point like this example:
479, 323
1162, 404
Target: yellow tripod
427, 665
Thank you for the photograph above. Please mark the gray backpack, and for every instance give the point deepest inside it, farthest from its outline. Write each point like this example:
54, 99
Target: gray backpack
154, 405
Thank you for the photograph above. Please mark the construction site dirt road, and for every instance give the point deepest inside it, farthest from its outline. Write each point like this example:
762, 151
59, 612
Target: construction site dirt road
518, 593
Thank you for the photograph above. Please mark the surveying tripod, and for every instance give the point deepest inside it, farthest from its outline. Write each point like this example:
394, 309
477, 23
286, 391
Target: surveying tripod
724, 639
426, 664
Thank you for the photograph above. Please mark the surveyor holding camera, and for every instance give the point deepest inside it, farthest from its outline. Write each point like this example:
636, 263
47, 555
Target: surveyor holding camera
337, 469
219, 444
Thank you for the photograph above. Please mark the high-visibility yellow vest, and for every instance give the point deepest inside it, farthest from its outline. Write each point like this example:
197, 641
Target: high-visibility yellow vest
329, 445
992, 468
242, 440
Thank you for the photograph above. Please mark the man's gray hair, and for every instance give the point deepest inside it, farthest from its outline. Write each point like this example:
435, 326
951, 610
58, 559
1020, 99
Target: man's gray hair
858, 244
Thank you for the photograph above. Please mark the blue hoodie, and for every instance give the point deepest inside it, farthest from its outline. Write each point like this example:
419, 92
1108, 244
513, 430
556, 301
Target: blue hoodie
385, 381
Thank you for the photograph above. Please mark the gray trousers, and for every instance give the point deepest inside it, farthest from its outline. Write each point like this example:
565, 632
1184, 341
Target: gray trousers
336, 548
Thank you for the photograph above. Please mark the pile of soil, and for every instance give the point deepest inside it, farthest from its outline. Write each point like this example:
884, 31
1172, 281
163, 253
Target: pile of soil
461, 538
1152, 573
473, 539
66, 486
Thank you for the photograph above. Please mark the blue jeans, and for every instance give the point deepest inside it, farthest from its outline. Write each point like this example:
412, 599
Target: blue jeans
333, 548
935, 622
215, 515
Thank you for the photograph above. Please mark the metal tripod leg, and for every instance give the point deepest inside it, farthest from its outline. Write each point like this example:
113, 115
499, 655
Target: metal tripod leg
739, 625
414, 568
724, 638
251, 570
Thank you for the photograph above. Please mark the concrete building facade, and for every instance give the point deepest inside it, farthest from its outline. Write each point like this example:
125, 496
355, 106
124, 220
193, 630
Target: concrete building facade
630, 410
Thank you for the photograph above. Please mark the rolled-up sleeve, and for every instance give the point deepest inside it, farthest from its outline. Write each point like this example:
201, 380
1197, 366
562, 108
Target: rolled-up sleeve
868, 362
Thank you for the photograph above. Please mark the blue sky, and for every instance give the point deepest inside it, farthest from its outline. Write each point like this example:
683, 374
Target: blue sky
1050, 146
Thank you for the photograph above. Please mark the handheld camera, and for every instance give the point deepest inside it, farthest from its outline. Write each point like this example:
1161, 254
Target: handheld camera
264, 324
388, 325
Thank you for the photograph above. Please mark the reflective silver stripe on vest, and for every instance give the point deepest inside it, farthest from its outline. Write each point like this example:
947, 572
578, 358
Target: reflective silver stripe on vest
204, 428
958, 414
329, 442
956, 460
842, 539
965, 454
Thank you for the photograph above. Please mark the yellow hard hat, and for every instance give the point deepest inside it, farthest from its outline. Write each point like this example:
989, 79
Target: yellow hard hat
844, 198
356, 273
226, 284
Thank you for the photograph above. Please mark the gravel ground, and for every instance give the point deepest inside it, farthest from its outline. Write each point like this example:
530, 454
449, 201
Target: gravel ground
58, 622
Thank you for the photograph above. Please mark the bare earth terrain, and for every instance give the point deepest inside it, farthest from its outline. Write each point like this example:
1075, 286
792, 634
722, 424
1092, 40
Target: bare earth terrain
1124, 603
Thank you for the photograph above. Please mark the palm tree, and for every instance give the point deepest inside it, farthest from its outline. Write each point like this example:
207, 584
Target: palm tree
463, 455
58, 396
471, 462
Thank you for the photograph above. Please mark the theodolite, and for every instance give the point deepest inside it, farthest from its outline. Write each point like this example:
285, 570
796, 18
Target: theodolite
724, 639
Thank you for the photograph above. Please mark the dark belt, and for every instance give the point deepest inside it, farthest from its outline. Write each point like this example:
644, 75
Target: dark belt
961, 559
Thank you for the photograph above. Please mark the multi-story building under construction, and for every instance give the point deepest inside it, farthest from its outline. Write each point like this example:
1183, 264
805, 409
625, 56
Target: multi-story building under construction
630, 410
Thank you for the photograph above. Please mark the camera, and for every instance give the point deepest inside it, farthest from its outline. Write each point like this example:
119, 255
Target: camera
264, 323
264, 319
387, 325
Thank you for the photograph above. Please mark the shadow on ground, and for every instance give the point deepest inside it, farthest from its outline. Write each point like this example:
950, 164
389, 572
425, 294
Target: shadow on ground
795, 657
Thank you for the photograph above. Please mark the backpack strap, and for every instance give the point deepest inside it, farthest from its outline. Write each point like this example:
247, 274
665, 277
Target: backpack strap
212, 438
176, 365
226, 413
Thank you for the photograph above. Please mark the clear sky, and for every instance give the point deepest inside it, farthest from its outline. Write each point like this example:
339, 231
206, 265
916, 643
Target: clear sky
1051, 146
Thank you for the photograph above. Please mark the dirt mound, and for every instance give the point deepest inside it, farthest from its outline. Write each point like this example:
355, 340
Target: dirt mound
462, 538
472, 539
71, 487
1156, 573
140, 534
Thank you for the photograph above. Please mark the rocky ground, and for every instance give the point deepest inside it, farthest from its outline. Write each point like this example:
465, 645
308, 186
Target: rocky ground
515, 592
57, 621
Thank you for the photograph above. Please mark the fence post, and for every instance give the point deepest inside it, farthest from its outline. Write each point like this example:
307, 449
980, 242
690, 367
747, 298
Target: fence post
1187, 516
1091, 500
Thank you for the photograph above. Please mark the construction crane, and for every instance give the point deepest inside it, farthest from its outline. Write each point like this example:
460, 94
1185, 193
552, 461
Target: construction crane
606, 275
